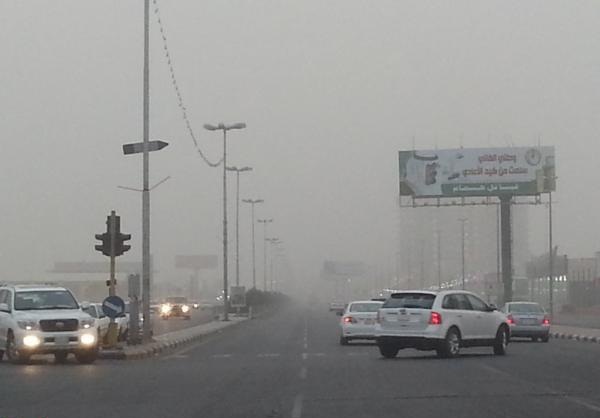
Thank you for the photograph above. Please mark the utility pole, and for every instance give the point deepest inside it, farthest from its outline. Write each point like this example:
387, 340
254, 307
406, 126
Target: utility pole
225, 128
146, 188
265, 222
462, 221
550, 258
237, 221
253, 202
439, 258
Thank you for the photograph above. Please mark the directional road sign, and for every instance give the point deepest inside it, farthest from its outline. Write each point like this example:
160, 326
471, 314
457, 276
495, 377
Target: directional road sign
113, 306
138, 147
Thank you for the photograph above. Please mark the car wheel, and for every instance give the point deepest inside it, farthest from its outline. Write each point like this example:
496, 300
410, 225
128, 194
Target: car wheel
501, 342
534, 339
12, 354
1, 355
450, 346
343, 340
388, 351
545, 338
86, 357
61, 357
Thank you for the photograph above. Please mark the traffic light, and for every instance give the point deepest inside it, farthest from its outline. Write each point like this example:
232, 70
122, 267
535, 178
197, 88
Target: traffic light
104, 248
113, 236
120, 239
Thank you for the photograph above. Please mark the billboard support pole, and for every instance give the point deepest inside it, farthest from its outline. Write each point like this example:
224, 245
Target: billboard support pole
550, 258
505, 221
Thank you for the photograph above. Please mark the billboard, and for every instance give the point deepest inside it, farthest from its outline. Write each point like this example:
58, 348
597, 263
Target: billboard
477, 172
196, 262
342, 269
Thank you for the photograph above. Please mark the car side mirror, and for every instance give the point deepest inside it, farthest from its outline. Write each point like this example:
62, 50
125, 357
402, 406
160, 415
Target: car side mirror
84, 305
339, 313
492, 307
4, 307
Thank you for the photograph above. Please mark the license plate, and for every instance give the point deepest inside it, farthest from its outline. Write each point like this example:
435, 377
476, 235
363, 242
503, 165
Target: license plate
62, 340
369, 321
403, 317
530, 321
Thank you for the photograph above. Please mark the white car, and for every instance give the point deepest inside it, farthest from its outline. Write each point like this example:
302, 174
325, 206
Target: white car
45, 320
442, 321
359, 320
102, 321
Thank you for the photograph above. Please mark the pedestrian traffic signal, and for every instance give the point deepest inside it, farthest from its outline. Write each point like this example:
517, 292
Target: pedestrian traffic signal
104, 248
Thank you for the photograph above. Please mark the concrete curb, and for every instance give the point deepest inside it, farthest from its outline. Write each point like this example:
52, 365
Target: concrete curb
574, 337
170, 341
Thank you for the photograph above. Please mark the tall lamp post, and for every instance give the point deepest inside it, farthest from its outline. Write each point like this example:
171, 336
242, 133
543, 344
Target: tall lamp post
265, 222
462, 221
274, 241
253, 202
237, 220
225, 128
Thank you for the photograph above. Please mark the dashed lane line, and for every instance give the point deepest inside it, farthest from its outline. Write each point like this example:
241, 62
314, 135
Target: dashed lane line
297, 408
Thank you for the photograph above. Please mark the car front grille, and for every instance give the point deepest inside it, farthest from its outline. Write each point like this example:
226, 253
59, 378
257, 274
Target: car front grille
59, 325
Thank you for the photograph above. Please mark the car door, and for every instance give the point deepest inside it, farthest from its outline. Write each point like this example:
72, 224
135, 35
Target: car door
485, 320
467, 317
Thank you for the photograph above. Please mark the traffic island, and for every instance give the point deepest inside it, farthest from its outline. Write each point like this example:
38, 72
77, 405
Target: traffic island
169, 341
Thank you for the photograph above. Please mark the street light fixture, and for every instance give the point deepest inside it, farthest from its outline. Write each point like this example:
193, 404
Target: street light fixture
225, 128
253, 202
237, 220
265, 222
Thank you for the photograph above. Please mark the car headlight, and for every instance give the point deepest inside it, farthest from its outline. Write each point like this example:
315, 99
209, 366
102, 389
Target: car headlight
196, 305
28, 325
88, 339
185, 308
165, 309
31, 341
87, 323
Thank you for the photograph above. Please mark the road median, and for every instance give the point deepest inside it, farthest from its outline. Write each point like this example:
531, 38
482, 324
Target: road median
171, 340
575, 333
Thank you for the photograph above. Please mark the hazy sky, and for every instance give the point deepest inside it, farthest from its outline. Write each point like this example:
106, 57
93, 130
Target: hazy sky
330, 90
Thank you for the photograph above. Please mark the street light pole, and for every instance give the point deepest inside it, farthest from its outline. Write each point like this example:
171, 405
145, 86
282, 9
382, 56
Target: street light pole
462, 221
253, 202
265, 222
273, 241
225, 128
550, 258
237, 221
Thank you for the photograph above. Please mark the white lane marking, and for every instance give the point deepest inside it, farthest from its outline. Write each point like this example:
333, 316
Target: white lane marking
304, 356
221, 355
297, 409
583, 403
303, 372
268, 355
319, 354
577, 401
305, 345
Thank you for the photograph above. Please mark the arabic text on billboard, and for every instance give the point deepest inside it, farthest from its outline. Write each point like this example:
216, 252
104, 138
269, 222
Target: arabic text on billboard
477, 172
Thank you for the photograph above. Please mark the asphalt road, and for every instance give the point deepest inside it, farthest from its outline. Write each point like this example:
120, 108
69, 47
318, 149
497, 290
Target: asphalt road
290, 365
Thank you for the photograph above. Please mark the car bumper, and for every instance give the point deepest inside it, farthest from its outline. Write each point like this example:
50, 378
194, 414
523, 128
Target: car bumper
529, 331
52, 342
359, 331
417, 342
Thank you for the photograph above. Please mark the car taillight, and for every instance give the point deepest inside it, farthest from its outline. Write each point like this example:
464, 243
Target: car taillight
510, 319
435, 318
546, 321
349, 320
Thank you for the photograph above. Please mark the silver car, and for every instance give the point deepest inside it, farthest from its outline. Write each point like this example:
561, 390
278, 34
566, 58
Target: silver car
527, 320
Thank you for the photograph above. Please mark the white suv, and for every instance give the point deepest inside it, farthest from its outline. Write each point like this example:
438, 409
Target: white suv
45, 320
442, 321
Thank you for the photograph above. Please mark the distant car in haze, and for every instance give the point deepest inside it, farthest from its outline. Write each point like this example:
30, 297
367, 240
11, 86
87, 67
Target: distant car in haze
358, 321
527, 320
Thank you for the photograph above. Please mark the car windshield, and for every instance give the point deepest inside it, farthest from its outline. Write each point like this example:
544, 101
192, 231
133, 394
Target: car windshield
365, 307
91, 311
525, 308
44, 299
410, 300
